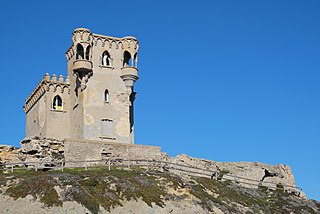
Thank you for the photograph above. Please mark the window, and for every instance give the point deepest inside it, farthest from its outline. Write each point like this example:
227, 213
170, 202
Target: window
127, 59
80, 52
136, 60
106, 96
106, 61
57, 103
88, 52
106, 127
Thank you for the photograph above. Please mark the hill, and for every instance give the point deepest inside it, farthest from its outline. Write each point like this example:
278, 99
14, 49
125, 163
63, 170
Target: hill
137, 190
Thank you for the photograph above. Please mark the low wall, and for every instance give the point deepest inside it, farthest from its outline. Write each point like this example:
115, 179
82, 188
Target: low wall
99, 150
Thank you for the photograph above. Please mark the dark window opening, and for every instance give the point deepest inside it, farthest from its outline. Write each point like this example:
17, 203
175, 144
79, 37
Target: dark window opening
106, 96
127, 61
80, 52
88, 52
106, 59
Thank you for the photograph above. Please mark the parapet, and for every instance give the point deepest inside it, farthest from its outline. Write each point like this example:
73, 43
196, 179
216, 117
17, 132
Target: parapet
86, 36
44, 85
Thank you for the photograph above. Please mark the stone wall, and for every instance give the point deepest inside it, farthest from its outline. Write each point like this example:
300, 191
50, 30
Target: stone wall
99, 150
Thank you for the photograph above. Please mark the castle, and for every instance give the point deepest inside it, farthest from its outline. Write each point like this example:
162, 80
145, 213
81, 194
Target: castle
95, 101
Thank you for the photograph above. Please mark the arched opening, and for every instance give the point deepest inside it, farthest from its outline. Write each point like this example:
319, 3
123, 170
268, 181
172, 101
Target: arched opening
106, 61
135, 60
80, 52
88, 52
106, 96
57, 103
127, 59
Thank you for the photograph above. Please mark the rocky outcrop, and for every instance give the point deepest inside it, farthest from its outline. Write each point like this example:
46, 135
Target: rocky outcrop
10, 154
34, 152
42, 150
247, 174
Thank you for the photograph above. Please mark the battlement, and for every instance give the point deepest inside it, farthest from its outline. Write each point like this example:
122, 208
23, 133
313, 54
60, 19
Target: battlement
55, 83
84, 35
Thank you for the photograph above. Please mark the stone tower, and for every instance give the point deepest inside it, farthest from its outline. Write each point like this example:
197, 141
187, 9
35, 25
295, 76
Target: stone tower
98, 105
102, 72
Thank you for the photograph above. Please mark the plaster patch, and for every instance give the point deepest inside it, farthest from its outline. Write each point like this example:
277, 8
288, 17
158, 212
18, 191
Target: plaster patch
88, 119
122, 128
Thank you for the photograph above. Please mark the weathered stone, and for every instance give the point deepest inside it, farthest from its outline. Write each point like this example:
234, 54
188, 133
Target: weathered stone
95, 101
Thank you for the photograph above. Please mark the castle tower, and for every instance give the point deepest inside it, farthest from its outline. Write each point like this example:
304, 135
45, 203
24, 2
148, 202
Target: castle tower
102, 72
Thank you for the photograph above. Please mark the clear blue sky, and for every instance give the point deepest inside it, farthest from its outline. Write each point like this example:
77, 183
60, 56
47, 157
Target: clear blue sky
222, 80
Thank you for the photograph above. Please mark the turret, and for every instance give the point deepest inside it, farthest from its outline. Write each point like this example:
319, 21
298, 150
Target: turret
82, 66
129, 70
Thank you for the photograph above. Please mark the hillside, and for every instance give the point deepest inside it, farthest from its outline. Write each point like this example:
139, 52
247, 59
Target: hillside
138, 190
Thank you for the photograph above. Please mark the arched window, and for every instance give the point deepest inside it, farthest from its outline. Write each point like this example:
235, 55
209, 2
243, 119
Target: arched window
135, 60
57, 103
80, 52
127, 59
88, 52
106, 59
106, 96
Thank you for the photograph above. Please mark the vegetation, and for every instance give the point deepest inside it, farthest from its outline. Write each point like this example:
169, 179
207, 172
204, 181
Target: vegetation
99, 187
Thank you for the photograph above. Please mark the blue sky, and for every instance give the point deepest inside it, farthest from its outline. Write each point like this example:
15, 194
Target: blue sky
221, 80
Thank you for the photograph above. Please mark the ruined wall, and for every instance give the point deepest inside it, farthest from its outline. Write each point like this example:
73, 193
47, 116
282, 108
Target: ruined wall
259, 173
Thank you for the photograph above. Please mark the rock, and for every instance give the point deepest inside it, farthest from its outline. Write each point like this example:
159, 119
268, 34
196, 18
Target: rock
10, 154
248, 174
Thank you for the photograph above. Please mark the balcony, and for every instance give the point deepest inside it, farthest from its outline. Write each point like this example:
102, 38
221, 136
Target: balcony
129, 75
82, 66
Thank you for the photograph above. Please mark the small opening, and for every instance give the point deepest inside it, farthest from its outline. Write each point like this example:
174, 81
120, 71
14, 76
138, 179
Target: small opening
127, 59
106, 59
80, 52
135, 60
106, 96
88, 52
57, 103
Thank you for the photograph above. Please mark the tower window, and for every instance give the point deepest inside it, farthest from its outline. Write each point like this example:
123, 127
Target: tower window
88, 52
57, 103
127, 61
136, 60
106, 96
106, 59
80, 52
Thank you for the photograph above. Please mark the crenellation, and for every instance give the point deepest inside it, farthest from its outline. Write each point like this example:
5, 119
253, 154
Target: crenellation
60, 79
43, 86
53, 78
47, 77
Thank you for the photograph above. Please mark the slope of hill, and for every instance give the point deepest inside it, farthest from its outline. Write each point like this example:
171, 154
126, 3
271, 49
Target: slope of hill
138, 190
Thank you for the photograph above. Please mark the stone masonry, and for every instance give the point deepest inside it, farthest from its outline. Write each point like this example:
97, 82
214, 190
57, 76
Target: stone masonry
95, 101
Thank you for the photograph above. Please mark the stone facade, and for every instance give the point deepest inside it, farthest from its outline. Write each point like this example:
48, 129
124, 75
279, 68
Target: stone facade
95, 101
